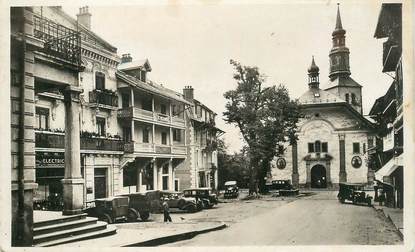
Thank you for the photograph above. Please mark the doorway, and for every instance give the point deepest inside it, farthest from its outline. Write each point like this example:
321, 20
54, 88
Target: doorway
318, 177
100, 183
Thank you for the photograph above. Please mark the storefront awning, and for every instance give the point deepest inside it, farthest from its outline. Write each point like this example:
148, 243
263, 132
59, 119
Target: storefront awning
389, 167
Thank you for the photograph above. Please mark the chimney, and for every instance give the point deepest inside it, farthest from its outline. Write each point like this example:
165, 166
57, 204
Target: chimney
188, 93
126, 58
84, 17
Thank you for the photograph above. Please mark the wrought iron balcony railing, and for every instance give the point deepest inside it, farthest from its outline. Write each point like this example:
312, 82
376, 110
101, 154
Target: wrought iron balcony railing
103, 98
57, 141
60, 41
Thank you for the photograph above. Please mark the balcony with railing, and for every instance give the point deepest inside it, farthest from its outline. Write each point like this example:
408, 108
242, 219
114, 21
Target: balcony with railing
56, 140
150, 116
103, 98
137, 147
59, 41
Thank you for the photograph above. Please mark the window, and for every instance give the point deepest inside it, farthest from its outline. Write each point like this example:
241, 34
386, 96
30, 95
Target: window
347, 98
146, 134
42, 118
310, 147
176, 135
324, 147
174, 110
163, 109
126, 134
163, 138
143, 76
353, 98
147, 104
280, 149
370, 143
99, 81
364, 148
125, 100
356, 148
317, 146
100, 126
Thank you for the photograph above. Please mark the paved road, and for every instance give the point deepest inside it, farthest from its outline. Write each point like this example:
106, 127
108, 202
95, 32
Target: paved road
316, 220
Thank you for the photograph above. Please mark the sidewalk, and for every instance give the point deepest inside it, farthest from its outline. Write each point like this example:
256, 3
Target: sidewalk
150, 233
395, 215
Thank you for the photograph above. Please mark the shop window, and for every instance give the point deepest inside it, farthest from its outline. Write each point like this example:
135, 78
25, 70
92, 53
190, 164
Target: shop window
310, 147
99, 81
164, 138
356, 148
324, 147
42, 118
100, 126
176, 135
146, 134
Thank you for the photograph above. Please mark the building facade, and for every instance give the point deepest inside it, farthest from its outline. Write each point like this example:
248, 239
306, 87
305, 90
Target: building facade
387, 153
333, 134
87, 124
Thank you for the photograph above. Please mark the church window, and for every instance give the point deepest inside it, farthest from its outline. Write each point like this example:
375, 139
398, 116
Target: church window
310, 147
356, 148
347, 98
324, 147
317, 146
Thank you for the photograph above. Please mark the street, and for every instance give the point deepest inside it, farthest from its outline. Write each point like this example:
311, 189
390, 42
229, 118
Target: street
314, 220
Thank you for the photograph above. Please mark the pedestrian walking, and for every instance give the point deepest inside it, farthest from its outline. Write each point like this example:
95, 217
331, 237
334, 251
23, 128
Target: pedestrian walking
166, 211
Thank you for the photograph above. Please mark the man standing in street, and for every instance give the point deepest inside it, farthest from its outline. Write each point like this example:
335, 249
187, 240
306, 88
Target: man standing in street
166, 211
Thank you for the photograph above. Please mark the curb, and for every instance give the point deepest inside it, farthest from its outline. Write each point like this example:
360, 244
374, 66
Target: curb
174, 238
390, 219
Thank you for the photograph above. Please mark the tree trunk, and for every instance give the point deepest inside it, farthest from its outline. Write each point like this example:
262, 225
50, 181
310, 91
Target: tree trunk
253, 176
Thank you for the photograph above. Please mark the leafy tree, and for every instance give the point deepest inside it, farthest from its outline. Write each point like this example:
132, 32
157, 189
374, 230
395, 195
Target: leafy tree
265, 116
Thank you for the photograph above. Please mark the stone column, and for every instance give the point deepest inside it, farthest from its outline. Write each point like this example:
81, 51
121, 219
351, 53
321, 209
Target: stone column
295, 176
73, 183
139, 179
155, 184
160, 177
328, 174
342, 149
171, 178
308, 179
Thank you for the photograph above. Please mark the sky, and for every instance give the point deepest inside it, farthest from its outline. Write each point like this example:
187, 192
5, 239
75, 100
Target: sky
192, 44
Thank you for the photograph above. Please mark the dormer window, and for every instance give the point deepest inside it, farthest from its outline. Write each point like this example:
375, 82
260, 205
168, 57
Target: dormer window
143, 75
353, 99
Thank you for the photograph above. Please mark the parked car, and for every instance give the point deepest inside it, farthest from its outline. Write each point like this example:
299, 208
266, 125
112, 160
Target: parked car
110, 209
279, 185
139, 206
204, 195
231, 190
174, 199
353, 193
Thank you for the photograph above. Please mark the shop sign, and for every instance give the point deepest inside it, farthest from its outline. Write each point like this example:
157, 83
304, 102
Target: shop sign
50, 160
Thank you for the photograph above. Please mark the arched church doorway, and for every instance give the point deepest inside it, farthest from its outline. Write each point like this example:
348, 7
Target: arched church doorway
318, 177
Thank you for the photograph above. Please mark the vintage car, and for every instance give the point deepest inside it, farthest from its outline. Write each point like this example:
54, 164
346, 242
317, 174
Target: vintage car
278, 185
204, 195
231, 190
139, 206
353, 193
174, 199
109, 209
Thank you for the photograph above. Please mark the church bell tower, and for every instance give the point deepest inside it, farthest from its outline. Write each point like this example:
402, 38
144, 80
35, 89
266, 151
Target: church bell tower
339, 54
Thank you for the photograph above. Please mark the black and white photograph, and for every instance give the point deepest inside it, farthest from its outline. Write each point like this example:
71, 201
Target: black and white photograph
208, 124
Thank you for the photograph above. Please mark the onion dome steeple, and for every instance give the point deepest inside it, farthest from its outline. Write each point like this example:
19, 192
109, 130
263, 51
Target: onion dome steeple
313, 75
339, 54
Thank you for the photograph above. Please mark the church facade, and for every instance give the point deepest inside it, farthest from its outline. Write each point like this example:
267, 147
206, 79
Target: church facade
333, 134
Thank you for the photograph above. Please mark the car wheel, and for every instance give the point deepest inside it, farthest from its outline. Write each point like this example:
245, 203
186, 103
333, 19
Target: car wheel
191, 208
106, 218
132, 215
181, 204
144, 216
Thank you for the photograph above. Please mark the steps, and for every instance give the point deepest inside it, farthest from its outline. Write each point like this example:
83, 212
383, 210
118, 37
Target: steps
67, 229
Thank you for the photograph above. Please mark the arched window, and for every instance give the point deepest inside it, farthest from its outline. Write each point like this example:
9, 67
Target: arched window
317, 146
347, 98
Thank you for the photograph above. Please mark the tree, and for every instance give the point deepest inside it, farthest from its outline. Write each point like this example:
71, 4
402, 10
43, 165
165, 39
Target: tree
265, 116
